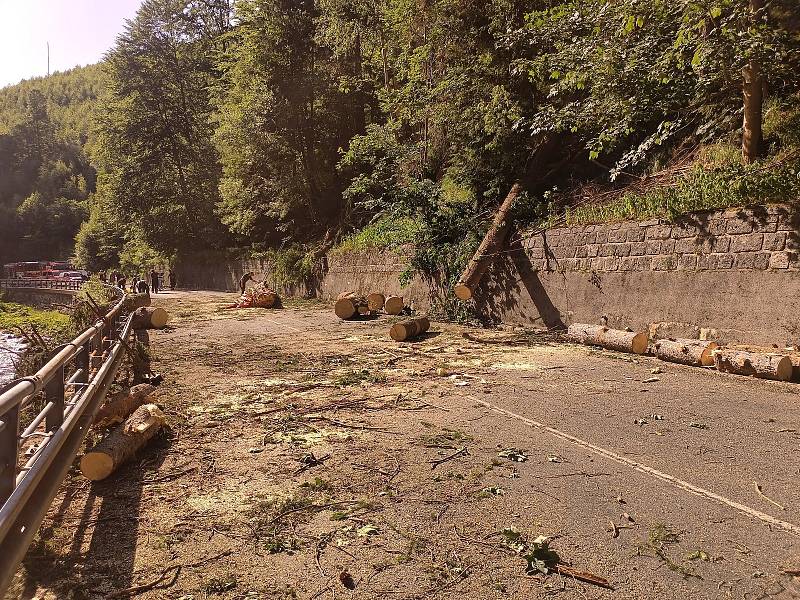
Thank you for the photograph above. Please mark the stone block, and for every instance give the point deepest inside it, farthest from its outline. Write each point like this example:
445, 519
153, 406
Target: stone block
581, 252
635, 234
745, 260
739, 224
592, 250
617, 235
627, 263
716, 227
667, 246
602, 236
664, 262
653, 247
638, 248
720, 261
688, 262
622, 249
610, 263
535, 253
658, 232
768, 225
761, 261
749, 242
607, 250
774, 241
703, 262
721, 244
686, 245
779, 260
684, 230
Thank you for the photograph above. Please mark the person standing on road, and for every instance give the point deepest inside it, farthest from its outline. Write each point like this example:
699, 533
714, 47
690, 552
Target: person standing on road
171, 279
154, 281
243, 281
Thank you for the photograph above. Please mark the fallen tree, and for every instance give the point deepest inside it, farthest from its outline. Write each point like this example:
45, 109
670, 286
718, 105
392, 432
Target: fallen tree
767, 365
120, 406
122, 443
149, 318
409, 328
492, 241
612, 339
686, 352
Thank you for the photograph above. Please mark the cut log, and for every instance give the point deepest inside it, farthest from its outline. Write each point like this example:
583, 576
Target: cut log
349, 305
686, 352
493, 240
767, 365
149, 318
120, 406
122, 443
394, 305
408, 329
375, 301
134, 301
612, 339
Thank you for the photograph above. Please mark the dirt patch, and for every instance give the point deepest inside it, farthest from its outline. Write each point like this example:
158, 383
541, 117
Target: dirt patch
312, 458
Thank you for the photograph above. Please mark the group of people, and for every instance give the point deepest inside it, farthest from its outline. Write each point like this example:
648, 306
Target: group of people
142, 285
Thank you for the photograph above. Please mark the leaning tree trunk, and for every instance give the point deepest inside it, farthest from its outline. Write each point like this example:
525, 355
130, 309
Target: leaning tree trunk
766, 365
612, 339
493, 240
686, 352
122, 443
753, 94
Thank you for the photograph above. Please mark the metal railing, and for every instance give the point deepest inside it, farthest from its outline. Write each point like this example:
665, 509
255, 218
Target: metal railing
34, 461
45, 284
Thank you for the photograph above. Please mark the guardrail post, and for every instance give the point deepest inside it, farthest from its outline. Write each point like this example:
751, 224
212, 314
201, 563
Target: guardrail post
54, 392
9, 448
82, 362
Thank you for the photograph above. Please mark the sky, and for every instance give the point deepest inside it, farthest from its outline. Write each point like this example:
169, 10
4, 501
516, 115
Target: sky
79, 32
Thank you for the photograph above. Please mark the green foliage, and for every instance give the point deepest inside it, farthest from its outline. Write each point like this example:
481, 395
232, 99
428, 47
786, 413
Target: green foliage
390, 232
52, 324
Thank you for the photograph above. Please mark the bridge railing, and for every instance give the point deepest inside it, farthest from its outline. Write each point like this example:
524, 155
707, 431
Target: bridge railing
60, 400
46, 284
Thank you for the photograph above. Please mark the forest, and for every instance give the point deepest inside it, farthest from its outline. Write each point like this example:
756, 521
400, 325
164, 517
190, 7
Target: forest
291, 127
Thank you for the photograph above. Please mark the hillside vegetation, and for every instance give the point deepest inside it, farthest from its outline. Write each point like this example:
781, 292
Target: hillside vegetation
293, 127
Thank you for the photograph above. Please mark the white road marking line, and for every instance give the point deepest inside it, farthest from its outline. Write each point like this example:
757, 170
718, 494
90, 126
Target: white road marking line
642, 468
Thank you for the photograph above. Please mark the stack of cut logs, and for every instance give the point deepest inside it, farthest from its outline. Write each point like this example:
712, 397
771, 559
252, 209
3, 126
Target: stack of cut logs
756, 362
351, 304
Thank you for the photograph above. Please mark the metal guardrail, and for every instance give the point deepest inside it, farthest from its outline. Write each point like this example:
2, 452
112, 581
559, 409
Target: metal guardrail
35, 461
44, 284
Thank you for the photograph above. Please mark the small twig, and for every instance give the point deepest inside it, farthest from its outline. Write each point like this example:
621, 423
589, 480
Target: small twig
582, 576
436, 463
767, 498
139, 589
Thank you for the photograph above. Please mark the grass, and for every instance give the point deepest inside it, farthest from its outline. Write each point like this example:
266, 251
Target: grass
387, 232
50, 323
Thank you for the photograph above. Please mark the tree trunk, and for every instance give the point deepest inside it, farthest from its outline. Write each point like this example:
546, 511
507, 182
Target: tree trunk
612, 339
122, 443
394, 305
766, 365
493, 241
119, 406
149, 318
349, 304
686, 352
375, 301
753, 93
410, 328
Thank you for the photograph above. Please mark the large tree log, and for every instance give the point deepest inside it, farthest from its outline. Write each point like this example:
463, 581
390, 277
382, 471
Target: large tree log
149, 318
493, 240
348, 304
122, 443
120, 406
766, 365
134, 301
686, 352
394, 305
410, 328
612, 339
375, 301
